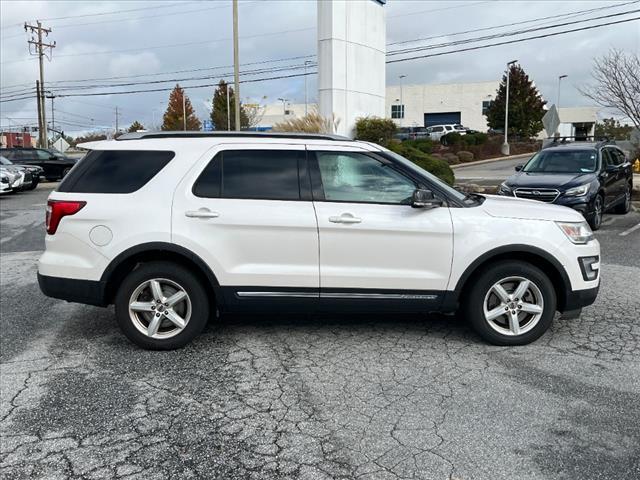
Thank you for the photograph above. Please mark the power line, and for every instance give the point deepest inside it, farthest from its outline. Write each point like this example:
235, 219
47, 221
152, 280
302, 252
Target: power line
554, 17
552, 34
505, 34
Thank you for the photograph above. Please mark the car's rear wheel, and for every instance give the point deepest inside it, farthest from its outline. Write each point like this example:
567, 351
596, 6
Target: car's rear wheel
511, 303
625, 206
595, 220
161, 306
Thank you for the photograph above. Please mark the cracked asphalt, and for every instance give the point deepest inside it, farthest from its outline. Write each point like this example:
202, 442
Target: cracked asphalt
283, 397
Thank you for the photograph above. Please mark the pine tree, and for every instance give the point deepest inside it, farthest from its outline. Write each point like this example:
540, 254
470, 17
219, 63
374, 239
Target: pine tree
173, 118
526, 106
219, 108
135, 126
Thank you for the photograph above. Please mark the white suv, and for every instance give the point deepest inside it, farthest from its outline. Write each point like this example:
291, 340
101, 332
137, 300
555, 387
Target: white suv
172, 228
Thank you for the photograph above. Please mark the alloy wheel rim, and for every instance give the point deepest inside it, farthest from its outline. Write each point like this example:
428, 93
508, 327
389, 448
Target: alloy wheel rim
513, 306
598, 214
160, 308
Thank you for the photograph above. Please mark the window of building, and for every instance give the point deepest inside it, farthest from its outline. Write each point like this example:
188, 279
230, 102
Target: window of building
485, 106
397, 111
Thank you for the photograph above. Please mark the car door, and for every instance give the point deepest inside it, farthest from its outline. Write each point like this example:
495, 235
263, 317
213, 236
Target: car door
623, 173
610, 177
374, 247
244, 211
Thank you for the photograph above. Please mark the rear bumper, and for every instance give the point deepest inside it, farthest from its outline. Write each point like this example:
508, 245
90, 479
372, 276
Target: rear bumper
73, 290
577, 299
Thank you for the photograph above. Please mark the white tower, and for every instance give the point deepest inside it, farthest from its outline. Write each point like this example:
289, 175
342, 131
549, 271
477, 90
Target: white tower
351, 60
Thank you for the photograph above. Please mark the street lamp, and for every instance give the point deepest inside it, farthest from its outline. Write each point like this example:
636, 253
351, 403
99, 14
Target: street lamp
505, 145
558, 102
401, 100
228, 111
284, 105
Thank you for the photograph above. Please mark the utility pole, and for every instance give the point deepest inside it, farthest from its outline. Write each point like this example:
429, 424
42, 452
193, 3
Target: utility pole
53, 118
505, 145
306, 98
38, 30
236, 65
228, 111
184, 111
39, 112
284, 105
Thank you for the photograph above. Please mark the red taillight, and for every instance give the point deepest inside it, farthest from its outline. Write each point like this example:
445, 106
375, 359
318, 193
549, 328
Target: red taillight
56, 209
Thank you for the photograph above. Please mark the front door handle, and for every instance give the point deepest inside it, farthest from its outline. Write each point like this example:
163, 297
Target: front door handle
345, 218
202, 213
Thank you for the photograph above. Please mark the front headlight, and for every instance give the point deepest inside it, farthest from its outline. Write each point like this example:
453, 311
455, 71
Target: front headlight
578, 191
504, 189
578, 232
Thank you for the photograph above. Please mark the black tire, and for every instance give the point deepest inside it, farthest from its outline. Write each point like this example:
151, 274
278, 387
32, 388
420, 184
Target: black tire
65, 172
595, 220
34, 184
190, 283
480, 287
625, 206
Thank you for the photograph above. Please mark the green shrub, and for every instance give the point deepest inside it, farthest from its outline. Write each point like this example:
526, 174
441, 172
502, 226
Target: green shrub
465, 156
451, 158
374, 129
481, 138
422, 144
452, 138
437, 167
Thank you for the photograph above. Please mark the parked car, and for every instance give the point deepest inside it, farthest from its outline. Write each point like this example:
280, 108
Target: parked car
436, 132
32, 173
6, 178
258, 222
590, 177
12, 179
54, 164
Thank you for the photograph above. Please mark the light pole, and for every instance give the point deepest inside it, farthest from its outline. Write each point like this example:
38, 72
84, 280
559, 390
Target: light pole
558, 102
505, 145
284, 105
401, 100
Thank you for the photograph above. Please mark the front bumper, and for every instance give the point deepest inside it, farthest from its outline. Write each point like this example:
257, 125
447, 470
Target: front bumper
577, 299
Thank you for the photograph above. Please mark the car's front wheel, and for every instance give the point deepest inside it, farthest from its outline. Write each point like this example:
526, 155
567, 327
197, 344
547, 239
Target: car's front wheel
595, 220
161, 306
511, 303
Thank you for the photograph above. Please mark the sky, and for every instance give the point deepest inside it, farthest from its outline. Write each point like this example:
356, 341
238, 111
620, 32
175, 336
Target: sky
149, 40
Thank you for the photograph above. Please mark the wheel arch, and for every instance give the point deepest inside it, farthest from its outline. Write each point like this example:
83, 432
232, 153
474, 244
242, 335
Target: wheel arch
126, 261
535, 256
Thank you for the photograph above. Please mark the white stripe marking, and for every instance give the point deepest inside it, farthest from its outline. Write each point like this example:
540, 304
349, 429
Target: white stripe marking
632, 229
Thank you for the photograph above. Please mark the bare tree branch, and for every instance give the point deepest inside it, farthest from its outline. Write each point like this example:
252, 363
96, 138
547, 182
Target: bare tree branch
616, 83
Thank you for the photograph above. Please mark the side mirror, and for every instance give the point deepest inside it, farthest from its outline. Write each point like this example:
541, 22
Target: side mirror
52, 157
424, 199
519, 167
611, 168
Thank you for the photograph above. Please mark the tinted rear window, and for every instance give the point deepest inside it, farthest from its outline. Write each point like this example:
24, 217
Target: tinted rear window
252, 174
114, 171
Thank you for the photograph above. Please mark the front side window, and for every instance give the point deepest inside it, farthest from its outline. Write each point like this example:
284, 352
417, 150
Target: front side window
359, 178
251, 174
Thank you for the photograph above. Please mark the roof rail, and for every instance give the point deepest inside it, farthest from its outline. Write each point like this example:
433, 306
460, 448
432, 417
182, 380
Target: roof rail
554, 141
243, 134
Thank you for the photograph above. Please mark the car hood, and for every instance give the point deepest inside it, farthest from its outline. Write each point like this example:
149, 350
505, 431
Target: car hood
549, 180
510, 207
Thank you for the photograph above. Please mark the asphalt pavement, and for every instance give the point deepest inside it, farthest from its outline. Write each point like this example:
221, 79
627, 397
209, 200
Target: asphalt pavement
315, 397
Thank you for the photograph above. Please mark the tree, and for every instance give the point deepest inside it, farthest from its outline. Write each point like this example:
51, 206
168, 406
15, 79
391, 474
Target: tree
173, 118
611, 128
526, 106
219, 109
135, 126
617, 83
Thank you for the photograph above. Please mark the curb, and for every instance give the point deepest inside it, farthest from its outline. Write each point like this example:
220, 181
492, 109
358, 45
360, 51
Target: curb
490, 160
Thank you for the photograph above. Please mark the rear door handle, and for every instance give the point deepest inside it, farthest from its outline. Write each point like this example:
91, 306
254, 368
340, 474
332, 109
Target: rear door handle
202, 213
345, 218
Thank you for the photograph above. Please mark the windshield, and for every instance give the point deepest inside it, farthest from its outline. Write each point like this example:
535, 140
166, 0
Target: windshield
442, 185
5, 161
563, 161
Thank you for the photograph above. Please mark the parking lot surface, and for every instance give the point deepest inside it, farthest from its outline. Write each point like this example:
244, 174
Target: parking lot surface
368, 397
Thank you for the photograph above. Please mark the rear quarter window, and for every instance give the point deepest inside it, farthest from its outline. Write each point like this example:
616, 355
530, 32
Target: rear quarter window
115, 171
